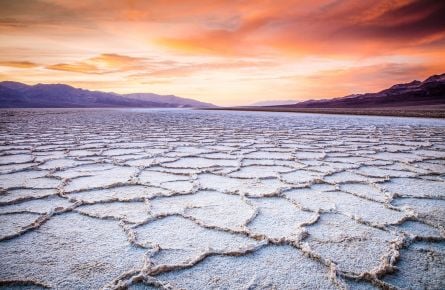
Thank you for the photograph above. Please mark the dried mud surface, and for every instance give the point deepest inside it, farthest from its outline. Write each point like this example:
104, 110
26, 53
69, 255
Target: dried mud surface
181, 199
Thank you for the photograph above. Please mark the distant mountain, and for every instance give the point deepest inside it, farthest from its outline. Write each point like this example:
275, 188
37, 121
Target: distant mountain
274, 103
416, 93
170, 99
18, 95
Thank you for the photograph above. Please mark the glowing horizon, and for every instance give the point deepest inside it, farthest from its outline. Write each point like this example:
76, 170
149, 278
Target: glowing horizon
223, 52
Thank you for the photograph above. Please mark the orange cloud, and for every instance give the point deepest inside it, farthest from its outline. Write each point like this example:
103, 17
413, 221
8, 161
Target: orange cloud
341, 27
80, 67
119, 61
102, 64
19, 64
186, 70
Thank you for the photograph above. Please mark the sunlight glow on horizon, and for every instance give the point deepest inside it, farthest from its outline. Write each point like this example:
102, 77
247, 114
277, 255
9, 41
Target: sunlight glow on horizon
223, 52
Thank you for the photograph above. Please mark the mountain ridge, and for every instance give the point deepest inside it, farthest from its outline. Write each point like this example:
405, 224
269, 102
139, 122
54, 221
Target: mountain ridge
19, 95
429, 92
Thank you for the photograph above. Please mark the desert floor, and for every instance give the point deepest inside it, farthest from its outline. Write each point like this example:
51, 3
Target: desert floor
146, 199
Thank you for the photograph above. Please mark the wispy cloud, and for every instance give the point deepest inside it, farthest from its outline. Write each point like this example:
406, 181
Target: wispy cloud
340, 28
80, 67
182, 70
18, 64
103, 64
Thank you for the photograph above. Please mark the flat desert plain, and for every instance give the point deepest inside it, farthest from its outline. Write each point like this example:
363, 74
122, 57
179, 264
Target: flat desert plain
185, 199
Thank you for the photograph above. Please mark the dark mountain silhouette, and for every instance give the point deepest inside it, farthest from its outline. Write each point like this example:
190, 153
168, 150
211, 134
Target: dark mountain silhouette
416, 93
18, 95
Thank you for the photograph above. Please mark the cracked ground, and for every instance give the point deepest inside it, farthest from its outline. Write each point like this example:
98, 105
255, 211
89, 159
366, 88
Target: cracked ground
183, 199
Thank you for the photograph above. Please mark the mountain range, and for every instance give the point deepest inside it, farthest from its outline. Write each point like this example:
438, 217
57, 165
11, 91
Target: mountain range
19, 95
416, 93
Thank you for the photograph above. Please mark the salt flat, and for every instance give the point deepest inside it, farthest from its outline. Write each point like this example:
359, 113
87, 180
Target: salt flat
184, 199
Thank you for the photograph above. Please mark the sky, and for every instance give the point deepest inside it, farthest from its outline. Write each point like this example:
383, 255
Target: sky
220, 51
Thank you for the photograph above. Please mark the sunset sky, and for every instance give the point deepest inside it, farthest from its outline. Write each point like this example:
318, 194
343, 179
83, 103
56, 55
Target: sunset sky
223, 52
